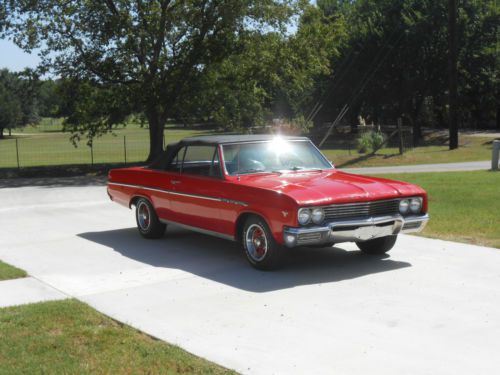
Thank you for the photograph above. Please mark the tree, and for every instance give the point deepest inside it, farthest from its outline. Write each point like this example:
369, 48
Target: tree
17, 100
49, 98
271, 75
10, 105
135, 56
393, 62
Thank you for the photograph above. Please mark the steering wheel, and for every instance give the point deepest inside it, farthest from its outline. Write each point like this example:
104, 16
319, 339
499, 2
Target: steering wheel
251, 164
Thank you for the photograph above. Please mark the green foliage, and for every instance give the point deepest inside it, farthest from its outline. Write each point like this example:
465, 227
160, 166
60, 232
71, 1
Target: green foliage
17, 100
141, 57
49, 98
370, 141
393, 62
271, 75
240, 64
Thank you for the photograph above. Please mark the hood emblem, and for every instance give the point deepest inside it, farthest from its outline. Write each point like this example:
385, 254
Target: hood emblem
285, 213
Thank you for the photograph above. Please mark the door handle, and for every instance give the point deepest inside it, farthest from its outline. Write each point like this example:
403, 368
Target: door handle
175, 182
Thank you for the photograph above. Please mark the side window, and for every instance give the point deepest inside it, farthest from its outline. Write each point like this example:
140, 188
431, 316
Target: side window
201, 161
176, 163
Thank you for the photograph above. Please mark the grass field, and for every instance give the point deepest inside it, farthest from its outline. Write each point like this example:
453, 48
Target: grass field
69, 337
471, 149
464, 206
46, 145
9, 272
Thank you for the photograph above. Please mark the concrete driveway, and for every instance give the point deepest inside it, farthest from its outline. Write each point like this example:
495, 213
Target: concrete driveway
431, 307
442, 167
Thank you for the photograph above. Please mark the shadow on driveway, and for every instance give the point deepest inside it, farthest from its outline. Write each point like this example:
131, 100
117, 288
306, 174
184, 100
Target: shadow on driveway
224, 262
51, 182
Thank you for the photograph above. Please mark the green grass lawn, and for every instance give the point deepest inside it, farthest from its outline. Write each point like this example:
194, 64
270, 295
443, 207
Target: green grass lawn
69, 337
471, 149
47, 145
9, 272
464, 206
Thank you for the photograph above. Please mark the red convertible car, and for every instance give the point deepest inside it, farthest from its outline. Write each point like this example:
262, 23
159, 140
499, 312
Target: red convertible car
269, 193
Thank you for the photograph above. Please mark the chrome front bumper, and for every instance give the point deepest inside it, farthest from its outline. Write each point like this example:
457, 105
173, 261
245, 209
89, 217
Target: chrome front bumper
354, 230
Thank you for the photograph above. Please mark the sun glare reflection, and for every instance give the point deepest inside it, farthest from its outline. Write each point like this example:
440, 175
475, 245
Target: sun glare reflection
279, 146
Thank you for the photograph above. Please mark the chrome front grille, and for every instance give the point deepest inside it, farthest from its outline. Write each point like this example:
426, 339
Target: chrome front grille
362, 209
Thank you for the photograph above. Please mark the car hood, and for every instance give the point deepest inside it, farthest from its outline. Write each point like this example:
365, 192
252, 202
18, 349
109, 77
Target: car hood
332, 186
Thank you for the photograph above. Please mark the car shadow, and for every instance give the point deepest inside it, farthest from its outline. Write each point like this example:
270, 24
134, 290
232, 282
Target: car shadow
224, 262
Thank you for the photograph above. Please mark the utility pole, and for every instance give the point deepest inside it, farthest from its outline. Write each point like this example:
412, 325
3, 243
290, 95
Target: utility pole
452, 73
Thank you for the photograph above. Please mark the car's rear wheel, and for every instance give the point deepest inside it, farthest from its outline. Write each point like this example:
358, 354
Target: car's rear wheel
377, 246
147, 221
261, 249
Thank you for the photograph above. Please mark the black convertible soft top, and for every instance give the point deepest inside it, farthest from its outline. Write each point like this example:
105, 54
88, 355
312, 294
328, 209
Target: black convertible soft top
163, 160
234, 138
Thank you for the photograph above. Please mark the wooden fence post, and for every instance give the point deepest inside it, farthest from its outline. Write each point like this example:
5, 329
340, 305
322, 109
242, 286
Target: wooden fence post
494, 156
125, 148
17, 155
400, 136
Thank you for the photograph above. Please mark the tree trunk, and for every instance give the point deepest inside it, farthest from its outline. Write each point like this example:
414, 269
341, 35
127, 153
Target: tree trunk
1, 133
156, 127
452, 72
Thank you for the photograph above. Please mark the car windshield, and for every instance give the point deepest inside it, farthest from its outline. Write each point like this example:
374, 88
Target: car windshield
277, 155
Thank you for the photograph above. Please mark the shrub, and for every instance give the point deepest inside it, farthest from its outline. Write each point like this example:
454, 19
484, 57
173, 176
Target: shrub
370, 141
300, 125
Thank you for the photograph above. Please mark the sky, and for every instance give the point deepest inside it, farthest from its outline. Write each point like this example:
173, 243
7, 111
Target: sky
14, 58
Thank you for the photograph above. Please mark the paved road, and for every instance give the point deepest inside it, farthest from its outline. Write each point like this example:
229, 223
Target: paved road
444, 167
432, 307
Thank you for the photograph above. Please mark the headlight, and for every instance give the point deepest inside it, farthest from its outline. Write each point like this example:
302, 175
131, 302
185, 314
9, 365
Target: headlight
318, 215
404, 206
415, 205
304, 216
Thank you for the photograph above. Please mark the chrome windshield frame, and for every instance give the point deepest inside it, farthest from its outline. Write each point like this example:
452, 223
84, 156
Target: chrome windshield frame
226, 173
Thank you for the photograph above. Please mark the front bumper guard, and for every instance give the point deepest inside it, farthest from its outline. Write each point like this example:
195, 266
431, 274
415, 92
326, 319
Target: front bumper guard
354, 230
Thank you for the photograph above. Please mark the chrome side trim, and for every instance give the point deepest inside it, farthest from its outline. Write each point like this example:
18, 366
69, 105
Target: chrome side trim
200, 230
206, 197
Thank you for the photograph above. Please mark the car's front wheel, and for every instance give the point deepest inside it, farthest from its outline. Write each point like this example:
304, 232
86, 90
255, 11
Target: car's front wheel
261, 249
377, 246
147, 221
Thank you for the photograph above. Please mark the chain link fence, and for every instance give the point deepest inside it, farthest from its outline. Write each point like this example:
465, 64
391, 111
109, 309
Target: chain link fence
44, 151
54, 149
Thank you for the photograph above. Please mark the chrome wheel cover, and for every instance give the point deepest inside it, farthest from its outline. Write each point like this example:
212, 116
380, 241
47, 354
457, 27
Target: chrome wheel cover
143, 216
256, 242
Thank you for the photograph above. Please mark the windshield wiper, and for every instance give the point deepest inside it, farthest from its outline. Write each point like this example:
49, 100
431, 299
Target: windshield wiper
251, 171
297, 168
